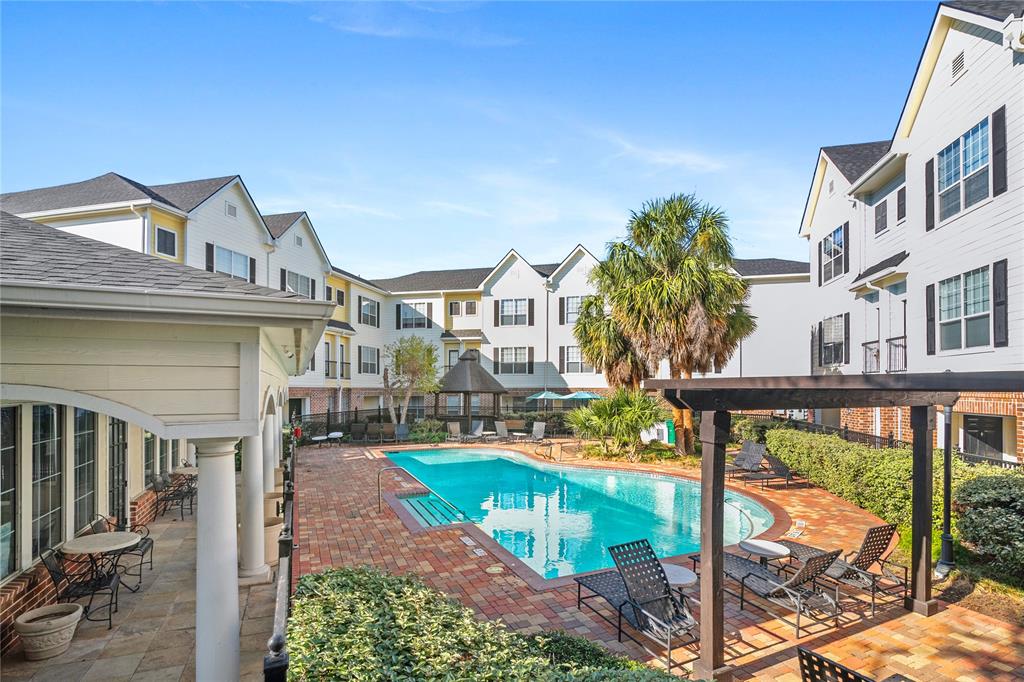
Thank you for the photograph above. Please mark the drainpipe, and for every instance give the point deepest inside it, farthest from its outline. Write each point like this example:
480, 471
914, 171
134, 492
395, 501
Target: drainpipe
547, 330
145, 227
946, 562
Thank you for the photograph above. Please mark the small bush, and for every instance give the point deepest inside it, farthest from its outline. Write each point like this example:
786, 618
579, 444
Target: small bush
362, 624
991, 519
745, 428
427, 431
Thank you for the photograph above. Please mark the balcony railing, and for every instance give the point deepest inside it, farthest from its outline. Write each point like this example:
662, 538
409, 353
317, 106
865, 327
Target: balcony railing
337, 370
896, 352
344, 370
871, 357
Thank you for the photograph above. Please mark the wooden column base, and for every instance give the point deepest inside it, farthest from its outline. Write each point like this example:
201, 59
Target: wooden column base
925, 608
723, 674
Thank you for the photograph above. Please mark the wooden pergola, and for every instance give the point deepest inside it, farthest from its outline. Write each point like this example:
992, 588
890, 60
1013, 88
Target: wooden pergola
715, 398
466, 378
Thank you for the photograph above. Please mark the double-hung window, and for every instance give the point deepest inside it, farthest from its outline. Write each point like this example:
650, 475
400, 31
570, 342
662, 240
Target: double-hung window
85, 467
300, 284
514, 360
965, 320
470, 308
414, 316
574, 363
47, 477
881, 216
417, 407
514, 312
149, 466
369, 312
572, 308
832, 248
228, 262
454, 308
9, 417
367, 360
167, 242
833, 330
963, 171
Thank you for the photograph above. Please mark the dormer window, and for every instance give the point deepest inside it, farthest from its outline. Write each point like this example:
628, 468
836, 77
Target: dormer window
230, 210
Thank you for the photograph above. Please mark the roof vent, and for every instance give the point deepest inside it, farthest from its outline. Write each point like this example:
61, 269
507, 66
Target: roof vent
958, 64
831, 187
230, 209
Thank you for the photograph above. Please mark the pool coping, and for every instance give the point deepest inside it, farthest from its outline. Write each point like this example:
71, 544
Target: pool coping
782, 520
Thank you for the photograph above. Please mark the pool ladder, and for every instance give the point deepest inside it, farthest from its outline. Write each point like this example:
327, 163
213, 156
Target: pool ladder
447, 510
743, 514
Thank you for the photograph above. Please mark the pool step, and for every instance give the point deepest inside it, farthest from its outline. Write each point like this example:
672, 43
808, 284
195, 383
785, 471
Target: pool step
430, 510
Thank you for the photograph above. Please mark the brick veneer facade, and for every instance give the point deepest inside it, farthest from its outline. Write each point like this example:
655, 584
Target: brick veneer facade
319, 398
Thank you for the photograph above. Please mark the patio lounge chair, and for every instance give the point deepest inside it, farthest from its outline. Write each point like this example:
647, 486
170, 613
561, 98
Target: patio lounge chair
88, 582
777, 471
454, 432
476, 432
799, 593
387, 433
816, 668
855, 569
640, 593
748, 461
538, 433
500, 433
144, 548
374, 433
358, 432
402, 433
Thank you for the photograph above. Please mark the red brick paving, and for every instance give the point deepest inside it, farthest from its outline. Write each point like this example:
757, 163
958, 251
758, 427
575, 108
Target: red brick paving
339, 526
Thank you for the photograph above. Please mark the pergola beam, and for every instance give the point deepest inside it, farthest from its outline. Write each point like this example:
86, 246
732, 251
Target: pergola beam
793, 399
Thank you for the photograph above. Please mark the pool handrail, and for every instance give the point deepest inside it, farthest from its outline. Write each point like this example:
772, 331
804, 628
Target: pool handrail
380, 495
743, 513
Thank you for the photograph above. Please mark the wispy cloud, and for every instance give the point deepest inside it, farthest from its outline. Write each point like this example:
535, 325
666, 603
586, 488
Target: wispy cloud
660, 156
422, 21
451, 207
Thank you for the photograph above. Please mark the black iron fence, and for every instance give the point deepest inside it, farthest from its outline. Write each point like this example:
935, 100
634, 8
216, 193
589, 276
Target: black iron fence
275, 661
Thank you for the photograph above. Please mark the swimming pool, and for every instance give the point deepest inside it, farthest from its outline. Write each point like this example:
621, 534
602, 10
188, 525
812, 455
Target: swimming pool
560, 520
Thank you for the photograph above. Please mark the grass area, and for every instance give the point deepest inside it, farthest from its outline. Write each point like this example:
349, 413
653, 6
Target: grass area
652, 453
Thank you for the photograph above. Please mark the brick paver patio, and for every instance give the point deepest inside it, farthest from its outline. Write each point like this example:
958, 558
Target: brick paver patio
339, 526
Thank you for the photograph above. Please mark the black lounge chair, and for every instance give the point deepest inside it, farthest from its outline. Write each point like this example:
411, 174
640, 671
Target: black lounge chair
358, 434
84, 582
748, 461
799, 593
641, 594
855, 569
816, 668
777, 471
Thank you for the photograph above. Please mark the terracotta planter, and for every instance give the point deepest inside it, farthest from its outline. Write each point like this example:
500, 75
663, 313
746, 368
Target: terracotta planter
47, 631
272, 526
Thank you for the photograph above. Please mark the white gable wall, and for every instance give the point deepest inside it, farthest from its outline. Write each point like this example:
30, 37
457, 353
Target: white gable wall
244, 233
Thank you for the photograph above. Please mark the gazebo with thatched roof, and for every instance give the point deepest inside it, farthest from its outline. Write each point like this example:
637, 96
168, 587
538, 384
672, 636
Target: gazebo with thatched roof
466, 378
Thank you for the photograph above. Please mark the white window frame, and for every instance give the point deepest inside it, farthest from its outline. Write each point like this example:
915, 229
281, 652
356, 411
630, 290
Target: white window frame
882, 216
832, 263
368, 365
965, 312
84, 440
60, 474
576, 365
958, 174
514, 360
298, 240
466, 309
156, 241
574, 313
11, 532
369, 318
233, 255
413, 315
509, 313
230, 209
294, 282
832, 351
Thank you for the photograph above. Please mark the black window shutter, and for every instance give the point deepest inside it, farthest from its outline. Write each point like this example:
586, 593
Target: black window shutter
846, 247
821, 265
312, 362
561, 359
497, 360
209, 257
252, 271
359, 309
328, 292
312, 289
497, 313
929, 313
901, 203
284, 280
398, 316
846, 338
529, 314
430, 315
376, 305
821, 344
341, 296
1000, 317
529, 358
359, 359
376, 352
929, 195
561, 310
999, 151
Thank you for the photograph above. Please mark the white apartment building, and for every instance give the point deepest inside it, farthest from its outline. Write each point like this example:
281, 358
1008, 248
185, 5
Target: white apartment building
917, 243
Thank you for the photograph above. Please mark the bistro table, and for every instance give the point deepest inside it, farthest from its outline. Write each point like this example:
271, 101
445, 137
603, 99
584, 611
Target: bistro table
764, 549
101, 543
319, 440
187, 471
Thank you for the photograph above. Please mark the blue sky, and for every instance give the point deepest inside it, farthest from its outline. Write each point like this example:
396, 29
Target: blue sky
422, 136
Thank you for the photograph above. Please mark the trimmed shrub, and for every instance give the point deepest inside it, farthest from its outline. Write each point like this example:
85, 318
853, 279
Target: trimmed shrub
427, 431
992, 519
363, 624
745, 428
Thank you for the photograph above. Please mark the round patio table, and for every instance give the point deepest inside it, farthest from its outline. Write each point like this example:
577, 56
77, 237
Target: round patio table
187, 471
764, 550
319, 440
101, 543
679, 577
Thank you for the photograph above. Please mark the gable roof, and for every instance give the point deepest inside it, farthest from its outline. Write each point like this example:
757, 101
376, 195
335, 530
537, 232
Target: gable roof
761, 267
31, 252
278, 223
108, 188
435, 280
189, 194
356, 278
993, 9
853, 160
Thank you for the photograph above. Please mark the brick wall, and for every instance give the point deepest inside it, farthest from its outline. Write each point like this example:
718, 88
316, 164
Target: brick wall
318, 397
142, 509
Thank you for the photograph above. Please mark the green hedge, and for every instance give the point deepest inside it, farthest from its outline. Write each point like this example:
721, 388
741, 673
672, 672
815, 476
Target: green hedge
362, 624
991, 519
876, 480
745, 428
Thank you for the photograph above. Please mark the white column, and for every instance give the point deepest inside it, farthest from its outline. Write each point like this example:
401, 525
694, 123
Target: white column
253, 561
278, 446
217, 624
271, 437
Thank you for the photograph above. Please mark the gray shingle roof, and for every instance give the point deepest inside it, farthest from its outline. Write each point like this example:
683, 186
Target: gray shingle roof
111, 188
993, 9
32, 252
435, 280
343, 326
755, 267
468, 376
890, 262
853, 160
277, 223
357, 278
450, 334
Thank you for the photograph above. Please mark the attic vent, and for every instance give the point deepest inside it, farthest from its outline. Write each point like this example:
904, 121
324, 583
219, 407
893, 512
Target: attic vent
831, 187
958, 64
298, 240
230, 209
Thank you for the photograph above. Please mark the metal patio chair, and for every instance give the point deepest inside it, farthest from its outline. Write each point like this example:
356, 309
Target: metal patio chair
388, 433
476, 432
748, 461
537, 435
777, 471
500, 433
640, 593
854, 570
454, 432
84, 582
172, 497
816, 668
358, 432
143, 550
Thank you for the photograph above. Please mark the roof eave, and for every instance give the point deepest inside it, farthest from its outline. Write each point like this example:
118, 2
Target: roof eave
95, 208
878, 175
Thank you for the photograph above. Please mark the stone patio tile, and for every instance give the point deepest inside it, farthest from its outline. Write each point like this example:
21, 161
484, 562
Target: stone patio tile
128, 644
118, 667
66, 672
171, 674
164, 657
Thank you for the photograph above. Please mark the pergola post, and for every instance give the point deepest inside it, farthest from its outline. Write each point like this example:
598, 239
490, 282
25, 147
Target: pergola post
714, 435
922, 421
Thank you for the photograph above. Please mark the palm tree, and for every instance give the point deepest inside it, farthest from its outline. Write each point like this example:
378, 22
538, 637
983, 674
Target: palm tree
673, 293
604, 345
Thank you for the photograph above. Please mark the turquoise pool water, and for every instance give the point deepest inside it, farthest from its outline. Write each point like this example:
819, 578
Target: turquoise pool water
560, 520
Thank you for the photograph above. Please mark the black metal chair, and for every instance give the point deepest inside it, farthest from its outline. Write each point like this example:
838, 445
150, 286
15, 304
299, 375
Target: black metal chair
748, 461
777, 471
87, 581
799, 593
167, 497
816, 668
855, 569
641, 594
358, 432
142, 550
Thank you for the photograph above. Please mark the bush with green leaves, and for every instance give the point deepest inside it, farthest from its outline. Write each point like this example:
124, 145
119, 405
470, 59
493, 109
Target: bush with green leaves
748, 428
991, 510
363, 624
617, 421
427, 431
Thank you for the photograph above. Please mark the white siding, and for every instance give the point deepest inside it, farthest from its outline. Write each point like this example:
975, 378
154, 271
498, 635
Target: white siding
121, 231
243, 233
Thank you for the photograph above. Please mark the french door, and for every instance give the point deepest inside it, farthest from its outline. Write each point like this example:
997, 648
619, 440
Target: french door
118, 474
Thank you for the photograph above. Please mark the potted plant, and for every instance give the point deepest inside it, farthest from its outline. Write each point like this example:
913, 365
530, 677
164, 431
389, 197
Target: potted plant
47, 631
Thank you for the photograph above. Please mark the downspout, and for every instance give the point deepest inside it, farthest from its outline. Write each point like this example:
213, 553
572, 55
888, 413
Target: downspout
547, 330
145, 227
